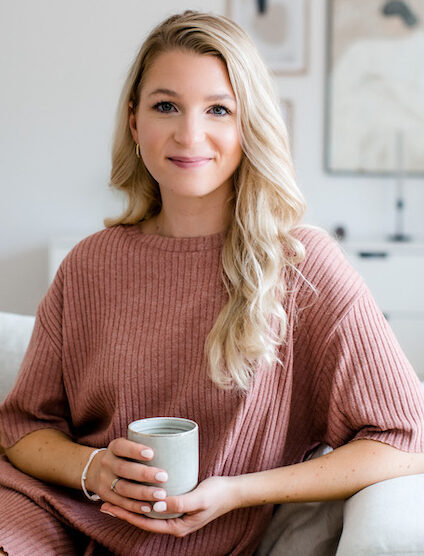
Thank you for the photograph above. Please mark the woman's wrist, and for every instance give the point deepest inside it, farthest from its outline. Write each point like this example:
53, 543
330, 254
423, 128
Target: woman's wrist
262, 487
245, 491
93, 470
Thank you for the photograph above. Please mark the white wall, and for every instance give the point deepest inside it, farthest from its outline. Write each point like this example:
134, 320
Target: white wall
62, 65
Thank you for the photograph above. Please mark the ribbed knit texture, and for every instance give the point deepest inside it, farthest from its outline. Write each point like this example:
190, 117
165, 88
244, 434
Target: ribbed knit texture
120, 336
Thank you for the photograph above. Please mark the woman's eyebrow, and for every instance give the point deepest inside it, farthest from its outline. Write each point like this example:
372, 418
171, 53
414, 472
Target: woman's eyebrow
170, 92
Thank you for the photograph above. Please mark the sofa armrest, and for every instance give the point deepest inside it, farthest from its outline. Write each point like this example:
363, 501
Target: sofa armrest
15, 333
385, 518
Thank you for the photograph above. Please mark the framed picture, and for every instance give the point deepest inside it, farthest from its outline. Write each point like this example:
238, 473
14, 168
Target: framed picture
278, 28
375, 87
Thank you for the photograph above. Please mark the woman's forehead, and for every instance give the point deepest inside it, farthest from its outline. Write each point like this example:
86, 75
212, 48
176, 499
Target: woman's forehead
175, 69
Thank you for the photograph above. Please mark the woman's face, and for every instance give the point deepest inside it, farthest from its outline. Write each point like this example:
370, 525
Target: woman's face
186, 125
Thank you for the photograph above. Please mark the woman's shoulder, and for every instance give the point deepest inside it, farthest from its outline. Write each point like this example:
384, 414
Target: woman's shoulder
322, 251
96, 248
108, 238
325, 266
313, 237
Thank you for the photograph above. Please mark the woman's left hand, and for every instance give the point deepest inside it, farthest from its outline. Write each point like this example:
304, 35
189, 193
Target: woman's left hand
209, 500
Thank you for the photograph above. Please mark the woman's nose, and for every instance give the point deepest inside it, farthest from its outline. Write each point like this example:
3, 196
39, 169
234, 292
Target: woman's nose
189, 130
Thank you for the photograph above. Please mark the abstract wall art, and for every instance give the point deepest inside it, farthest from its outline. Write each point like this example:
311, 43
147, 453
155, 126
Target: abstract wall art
278, 28
375, 87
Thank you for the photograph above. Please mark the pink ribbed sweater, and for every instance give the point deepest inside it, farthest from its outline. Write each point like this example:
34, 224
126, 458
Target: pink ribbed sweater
120, 336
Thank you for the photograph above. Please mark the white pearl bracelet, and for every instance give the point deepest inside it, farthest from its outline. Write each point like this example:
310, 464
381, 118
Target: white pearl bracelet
92, 497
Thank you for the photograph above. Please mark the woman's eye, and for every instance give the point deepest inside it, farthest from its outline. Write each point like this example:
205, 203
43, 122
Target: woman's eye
163, 106
219, 110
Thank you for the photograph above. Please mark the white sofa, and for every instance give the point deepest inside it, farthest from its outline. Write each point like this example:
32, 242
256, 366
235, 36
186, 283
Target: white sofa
385, 518
15, 332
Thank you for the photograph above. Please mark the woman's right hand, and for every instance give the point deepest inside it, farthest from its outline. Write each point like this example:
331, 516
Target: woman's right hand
128, 493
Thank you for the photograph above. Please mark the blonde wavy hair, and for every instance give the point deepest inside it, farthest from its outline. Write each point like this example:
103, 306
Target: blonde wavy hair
267, 203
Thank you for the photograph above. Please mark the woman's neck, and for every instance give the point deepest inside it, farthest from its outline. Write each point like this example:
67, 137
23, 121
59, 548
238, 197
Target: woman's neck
188, 224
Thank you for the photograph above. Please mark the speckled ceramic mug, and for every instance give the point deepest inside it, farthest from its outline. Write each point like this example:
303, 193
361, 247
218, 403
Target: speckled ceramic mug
175, 444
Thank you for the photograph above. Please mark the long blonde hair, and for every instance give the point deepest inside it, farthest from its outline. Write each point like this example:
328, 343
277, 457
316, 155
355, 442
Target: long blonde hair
267, 202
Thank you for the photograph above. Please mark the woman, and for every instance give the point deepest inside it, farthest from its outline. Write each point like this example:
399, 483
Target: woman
207, 300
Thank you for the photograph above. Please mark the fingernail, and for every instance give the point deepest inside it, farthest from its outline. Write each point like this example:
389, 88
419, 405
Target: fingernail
147, 453
160, 507
145, 509
108, 513
161, 476
159, 494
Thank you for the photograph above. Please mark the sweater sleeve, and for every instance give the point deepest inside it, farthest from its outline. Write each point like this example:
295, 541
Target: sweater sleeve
38, 399
351, 378
368, 388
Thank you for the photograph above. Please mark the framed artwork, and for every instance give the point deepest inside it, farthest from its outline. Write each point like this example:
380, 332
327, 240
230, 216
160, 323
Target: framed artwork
278, 28
375, 87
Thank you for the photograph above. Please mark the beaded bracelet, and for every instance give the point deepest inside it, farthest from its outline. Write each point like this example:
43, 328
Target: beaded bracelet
92, 497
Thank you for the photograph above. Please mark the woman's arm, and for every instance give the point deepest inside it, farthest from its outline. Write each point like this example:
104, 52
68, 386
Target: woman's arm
336, 475
51, 456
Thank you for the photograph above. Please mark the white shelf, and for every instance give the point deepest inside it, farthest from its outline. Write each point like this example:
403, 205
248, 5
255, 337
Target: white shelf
381, 246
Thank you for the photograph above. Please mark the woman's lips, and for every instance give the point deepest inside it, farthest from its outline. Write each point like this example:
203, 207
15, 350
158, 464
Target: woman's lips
185, 162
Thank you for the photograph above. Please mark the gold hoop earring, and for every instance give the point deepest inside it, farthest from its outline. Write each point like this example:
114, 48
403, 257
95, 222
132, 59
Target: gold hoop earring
137, 151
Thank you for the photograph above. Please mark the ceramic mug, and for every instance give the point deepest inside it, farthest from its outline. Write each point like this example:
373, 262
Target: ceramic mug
175, 444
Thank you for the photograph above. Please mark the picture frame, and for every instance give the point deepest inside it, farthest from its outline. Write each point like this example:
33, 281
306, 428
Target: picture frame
279, 30
374, 121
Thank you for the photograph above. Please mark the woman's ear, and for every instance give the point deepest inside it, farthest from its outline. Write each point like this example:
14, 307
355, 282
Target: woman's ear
132, 121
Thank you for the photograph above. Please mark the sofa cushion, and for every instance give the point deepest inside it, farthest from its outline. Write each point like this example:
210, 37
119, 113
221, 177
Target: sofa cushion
15, 333
385, 518
303, 529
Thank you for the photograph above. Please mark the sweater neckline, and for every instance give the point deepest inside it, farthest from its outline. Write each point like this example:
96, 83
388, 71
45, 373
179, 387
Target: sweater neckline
176, 244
